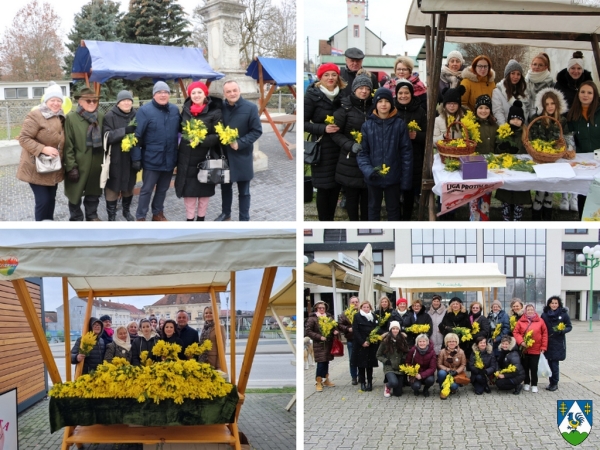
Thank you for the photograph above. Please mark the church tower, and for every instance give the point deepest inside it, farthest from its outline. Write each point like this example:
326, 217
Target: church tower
357, 31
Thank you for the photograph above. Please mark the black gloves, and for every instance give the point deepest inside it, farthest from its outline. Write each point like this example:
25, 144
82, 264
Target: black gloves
130, 129
356, 147
453, 373
73, 175
374, 175
136, 166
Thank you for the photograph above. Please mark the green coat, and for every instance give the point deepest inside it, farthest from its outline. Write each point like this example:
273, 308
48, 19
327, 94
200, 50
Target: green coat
587, 136
487, 132
77, 154
515, 197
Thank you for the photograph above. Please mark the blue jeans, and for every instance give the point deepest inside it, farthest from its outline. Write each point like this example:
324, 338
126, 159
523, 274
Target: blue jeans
427, 382
442, 376
244, 199
322, 369
45, 200
395, 383
353, 369
151, 178
554, 368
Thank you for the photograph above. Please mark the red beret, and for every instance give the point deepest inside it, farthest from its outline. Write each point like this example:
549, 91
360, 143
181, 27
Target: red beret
197, 84
326, 68
401, 300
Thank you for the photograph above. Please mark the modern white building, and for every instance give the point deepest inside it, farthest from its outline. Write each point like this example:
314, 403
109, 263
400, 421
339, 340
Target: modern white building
537, 263
29, 90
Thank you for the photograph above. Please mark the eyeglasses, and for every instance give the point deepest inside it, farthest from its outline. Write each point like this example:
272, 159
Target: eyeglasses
91, 102
402, 70
321, 307
481, 67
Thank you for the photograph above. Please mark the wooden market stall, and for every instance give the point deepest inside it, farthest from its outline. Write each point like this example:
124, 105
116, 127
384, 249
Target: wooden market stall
204, 262
540, 23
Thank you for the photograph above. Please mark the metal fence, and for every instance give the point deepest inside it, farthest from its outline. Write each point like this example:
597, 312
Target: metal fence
12, 115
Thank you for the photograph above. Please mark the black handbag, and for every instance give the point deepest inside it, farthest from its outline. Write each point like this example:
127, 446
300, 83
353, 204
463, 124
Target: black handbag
214, 171
312, 151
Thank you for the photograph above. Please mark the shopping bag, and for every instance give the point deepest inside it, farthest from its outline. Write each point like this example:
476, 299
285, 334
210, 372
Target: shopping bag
543, 367
337, 348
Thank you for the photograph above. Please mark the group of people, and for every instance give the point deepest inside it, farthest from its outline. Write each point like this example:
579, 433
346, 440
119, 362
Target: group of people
372, 140
80, 140
503, 349
131, 341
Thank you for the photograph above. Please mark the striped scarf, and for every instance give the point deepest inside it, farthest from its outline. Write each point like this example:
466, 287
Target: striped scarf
94, 135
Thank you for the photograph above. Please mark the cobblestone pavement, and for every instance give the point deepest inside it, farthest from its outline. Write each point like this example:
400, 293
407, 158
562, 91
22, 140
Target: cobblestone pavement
344, 418
273, 192
263, 419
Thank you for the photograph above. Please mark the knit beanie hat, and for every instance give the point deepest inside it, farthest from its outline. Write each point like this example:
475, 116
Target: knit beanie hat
455, 299
360, 81
160, 86
197, 84
383, 94
404, 83
576, 59
105, 317
497, 302
401, 300
453, 95
53, 91
455, 54
516, 111
511, 67
326, 68
395, 323
483, 100
124, 95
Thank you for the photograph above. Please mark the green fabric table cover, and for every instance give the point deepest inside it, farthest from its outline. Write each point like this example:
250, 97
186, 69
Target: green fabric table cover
108, 411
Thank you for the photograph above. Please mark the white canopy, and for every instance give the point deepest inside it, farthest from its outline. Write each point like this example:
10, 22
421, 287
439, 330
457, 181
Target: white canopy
320, 272
549, 23
139, 266
447, 277
283, 301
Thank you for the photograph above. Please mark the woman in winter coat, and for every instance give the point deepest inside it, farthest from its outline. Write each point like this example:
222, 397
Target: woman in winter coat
538, 78
570, 79
364, 353
436, 312
482, 365
121, 177
43, 135
422, 354
450, 361
401, 315
517, 309
345, 324
418, 316
120, 347
530, 321
386, 158
321, 100
385, 307
321, 344
512, 87
350, 118
451, 75
209, 332
584, 122
409, 110
169, 334
558, 323
96, 356
403, 69
456, 316
498, 321
476, 316
478, 79
392, 352
132, 328
145, 342
196, 195
509, 355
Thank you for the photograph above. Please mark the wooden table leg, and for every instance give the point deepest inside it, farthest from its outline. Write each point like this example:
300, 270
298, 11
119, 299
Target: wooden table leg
68, 433
233, 427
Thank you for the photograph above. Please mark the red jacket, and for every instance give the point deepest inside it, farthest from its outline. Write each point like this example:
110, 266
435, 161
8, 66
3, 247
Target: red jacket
540, 334
428, 361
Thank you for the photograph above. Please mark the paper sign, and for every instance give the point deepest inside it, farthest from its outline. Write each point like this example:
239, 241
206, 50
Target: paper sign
458, 193
554, 170
9, 439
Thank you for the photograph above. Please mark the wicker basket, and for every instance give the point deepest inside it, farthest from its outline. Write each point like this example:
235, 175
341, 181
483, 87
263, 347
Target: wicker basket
451, 152
542, 158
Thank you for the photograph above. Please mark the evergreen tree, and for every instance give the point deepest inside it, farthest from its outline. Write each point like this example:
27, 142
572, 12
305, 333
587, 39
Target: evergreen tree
97, 21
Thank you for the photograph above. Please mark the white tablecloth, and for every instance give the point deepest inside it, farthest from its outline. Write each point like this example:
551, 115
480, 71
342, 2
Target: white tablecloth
524, 181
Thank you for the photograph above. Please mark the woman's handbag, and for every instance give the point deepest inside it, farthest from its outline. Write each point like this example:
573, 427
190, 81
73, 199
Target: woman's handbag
105, 162
47, 164
337, 348
462, 379
312, 151
543, 367
214, 171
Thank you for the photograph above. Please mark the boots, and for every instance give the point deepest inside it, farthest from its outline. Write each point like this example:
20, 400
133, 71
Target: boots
354, 381
126, 202
369, 386
319, 384
189, 220
199, 219
327, 382
111, 210
363, 386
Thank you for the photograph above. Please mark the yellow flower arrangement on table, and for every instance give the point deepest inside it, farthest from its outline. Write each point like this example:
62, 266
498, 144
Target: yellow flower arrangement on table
227, 135
409, 369
475, 327
177, 380
350, 313
418, 329
145, 361
459, 143
329, 120
194, 131
478, 360
413, 126
166, 351
357, 135
88, 340
197, 350
326, 325
509, 369
513, 322
542, 146
129, 141
445, 392
451, 165
560, 327
463, 332
510, 162
497, 331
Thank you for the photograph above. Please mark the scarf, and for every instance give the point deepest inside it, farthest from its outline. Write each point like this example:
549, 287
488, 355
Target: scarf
537, 77
48, 113
422, 351
126, 344
94, 135
321, 314
331, 95
368, 316
450, 76
418, 86
209, 325
196, 109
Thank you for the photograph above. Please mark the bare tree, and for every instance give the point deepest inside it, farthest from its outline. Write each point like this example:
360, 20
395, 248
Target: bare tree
499, 54
31, 48
281, 41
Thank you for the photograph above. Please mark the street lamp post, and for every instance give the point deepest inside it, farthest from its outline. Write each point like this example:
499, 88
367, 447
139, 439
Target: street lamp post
592, 257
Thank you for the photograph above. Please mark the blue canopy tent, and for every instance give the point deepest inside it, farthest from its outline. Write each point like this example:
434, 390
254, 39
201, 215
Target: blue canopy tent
276, 72
99, 61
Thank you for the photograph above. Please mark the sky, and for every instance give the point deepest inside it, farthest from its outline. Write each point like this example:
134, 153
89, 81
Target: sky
248, 281
385, 20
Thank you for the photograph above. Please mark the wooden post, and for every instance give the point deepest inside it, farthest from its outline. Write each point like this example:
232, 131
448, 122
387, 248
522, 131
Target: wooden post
86, 328
596, 51
36, 327
218, 331
183, 88
232, 374
67, 326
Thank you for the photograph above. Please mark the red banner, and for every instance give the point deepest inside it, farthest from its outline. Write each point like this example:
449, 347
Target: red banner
455, 194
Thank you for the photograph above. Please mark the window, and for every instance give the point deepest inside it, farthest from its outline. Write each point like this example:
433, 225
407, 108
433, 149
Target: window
571, 266
377, 262
38, 92
168, 315
308, 232
310, 256
334, 236
356, 31
575, 231
364, 232
13, 93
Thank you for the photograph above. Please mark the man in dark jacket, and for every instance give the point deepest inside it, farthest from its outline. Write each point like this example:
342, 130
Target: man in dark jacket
158, 125
96, 356
354, 62
242, 115
186, 333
